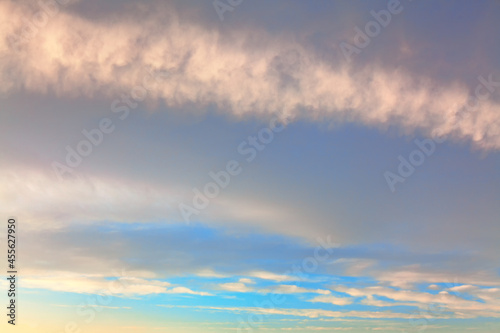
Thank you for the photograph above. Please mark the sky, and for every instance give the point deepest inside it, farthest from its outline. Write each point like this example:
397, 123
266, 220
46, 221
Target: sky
251, 166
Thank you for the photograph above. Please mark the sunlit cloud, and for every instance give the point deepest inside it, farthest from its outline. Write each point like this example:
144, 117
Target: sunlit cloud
77, 56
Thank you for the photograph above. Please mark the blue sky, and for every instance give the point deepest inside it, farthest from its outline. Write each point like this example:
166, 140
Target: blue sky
360, 190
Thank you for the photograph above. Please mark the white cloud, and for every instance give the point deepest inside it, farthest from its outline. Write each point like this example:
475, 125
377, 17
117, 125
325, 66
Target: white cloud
184, 290
332, 300
235, 287
271, 276
452, 302
293, 289
95, 284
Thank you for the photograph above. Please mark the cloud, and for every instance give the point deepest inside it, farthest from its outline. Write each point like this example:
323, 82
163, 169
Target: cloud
332, 300
82, 199
184, 290
102, 248
293, 289
242, 72
397, 295
235, 287
372, 301
408, 275
93, 306
90, 199
355, 266
94, 284
272, 276
70, 282
452, 301
308, 313
210, 273
75, 229
241, 287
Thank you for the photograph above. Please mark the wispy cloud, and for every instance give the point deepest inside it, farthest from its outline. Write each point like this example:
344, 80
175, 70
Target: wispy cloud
272, 276
308, 313
100, 285
332, 300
